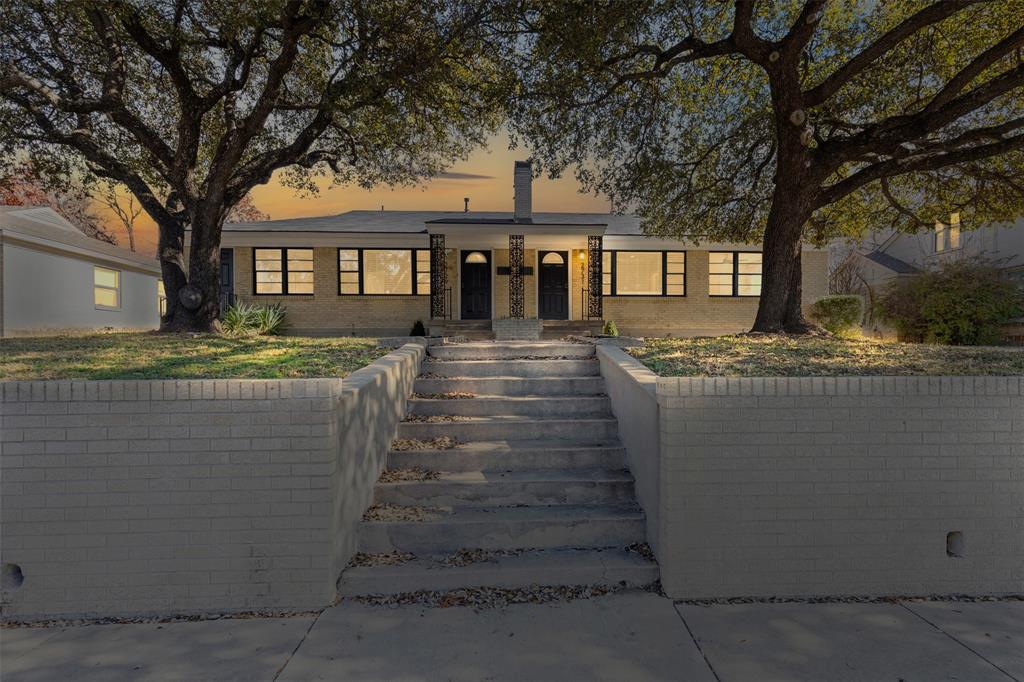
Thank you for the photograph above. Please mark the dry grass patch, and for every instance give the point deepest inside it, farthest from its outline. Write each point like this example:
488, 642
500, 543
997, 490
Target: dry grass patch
409, 474
393, 513
777, 355
439, 443
381, 559
150, 355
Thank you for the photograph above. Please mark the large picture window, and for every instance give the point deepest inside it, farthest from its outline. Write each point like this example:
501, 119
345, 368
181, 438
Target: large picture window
395, 272
283, 272
643, 273
106, 288
734, 273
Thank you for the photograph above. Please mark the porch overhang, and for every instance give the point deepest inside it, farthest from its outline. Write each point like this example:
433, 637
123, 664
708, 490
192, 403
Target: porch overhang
495, 234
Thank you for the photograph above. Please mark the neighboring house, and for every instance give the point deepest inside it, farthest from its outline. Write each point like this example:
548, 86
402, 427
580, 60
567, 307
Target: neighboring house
377, 272
886, 256
54, 279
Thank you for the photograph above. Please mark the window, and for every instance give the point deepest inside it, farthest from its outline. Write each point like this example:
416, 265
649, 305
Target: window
552, 258
947, 237
106, 288
734, 273
643, 273
161, 297
384, 272
476, 257
283, 271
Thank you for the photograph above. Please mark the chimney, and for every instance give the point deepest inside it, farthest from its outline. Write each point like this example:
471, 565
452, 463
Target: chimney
522, 181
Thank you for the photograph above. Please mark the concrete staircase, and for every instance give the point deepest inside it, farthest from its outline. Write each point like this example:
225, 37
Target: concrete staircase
534, 493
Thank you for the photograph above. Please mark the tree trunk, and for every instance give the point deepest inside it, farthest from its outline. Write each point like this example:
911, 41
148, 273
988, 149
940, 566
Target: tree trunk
779, 308
193, 302
170, 251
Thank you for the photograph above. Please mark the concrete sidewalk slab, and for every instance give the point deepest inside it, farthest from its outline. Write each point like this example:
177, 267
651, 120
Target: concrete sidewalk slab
228, 649
994, 630
836, 642
629, 636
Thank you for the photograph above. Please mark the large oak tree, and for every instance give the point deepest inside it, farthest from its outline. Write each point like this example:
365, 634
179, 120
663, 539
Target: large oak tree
191, 103
780, 121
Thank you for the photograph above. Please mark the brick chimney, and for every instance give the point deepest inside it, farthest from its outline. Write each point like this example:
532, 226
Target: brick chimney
522, 181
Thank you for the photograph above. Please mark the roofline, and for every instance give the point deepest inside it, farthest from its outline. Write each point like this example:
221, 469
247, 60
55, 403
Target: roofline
12, 235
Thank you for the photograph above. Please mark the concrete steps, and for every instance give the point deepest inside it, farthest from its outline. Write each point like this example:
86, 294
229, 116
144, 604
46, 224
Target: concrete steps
513, 386
517, 406
493, 428
505, 528
534, 492
515, 455
512, 488
581, 367
611, 567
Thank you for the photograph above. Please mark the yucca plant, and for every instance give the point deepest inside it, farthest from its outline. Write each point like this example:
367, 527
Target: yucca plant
270, 320
239, 318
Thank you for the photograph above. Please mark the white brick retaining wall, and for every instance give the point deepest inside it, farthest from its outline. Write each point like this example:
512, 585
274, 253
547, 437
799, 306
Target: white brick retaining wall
137, 497
826, 486
841, 485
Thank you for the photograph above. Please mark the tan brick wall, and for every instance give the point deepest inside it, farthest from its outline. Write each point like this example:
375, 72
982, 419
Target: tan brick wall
697, 313
328, 313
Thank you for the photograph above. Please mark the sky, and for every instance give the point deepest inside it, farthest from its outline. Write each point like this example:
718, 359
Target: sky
485, 177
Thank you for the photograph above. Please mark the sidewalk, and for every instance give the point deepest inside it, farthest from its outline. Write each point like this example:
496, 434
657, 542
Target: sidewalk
629, 636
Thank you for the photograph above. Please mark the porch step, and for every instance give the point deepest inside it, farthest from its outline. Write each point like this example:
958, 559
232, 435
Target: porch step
510, 350
513, 386
512, 368
557, 329
607, 566
505, 528
498, 428
510, 488
515, 455
527, 406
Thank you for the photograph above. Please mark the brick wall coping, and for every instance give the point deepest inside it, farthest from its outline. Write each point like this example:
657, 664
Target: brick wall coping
841, 386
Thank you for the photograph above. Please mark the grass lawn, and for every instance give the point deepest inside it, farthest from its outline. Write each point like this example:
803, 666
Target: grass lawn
173, 356
774, 356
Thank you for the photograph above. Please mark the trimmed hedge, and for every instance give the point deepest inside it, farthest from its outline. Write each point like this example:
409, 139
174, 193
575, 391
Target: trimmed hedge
840, 314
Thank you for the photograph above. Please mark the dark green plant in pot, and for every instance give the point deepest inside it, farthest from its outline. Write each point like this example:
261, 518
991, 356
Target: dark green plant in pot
964, 302
840, 314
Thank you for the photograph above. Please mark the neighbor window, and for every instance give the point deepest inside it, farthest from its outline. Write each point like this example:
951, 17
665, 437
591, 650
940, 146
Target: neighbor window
734, 273
947, 237
161, 297
106, 288
283, 271
384, 271
643, 273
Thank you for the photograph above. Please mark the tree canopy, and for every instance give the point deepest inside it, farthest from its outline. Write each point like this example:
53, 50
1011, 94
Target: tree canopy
782, 120
191, 103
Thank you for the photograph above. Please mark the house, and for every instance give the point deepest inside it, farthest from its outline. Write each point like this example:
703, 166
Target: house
55, 279
886, 256
378, 272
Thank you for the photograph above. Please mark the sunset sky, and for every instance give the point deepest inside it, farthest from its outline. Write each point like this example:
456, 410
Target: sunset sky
486, 178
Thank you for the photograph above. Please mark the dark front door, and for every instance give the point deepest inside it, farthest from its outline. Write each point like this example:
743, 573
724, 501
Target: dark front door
554, 285
227, 278
476, 285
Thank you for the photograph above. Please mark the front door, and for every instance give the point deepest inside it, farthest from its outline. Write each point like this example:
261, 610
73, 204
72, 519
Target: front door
476, 285
554, 285
227, 278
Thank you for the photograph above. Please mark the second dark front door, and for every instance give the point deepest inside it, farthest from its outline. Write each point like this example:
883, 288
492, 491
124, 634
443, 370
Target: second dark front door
553, 301
476, 285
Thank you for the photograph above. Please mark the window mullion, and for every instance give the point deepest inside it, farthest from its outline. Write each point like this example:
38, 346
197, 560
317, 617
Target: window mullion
736, 273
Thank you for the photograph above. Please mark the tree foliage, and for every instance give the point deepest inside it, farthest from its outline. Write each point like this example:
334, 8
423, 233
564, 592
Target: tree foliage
192, 103
780, 121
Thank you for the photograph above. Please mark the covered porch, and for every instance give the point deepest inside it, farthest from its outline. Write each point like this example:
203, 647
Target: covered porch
507, 270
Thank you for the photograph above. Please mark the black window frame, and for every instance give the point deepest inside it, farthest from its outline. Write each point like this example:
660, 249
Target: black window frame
362, 269
284, 269
664, 273
735, 275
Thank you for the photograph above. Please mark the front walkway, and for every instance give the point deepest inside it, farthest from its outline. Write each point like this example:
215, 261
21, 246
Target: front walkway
629, 636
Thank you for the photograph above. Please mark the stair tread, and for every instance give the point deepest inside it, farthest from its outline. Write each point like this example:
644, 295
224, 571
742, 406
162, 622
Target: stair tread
529, 560
515, 418
511, 445
514, 398
596, 475
553, 514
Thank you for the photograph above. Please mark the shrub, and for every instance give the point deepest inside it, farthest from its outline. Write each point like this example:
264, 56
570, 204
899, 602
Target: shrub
418, 329
242, 318
840, 314
963, 303
609, 328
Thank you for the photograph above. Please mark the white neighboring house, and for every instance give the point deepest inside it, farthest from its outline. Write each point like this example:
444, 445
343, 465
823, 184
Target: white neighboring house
54, 279
888, 255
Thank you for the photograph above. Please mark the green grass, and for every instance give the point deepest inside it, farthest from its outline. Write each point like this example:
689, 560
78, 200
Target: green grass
773, 356
179, 356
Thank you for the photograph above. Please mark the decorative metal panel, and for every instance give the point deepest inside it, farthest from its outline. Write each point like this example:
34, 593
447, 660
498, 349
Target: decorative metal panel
516, 294
594, 307
438, 277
